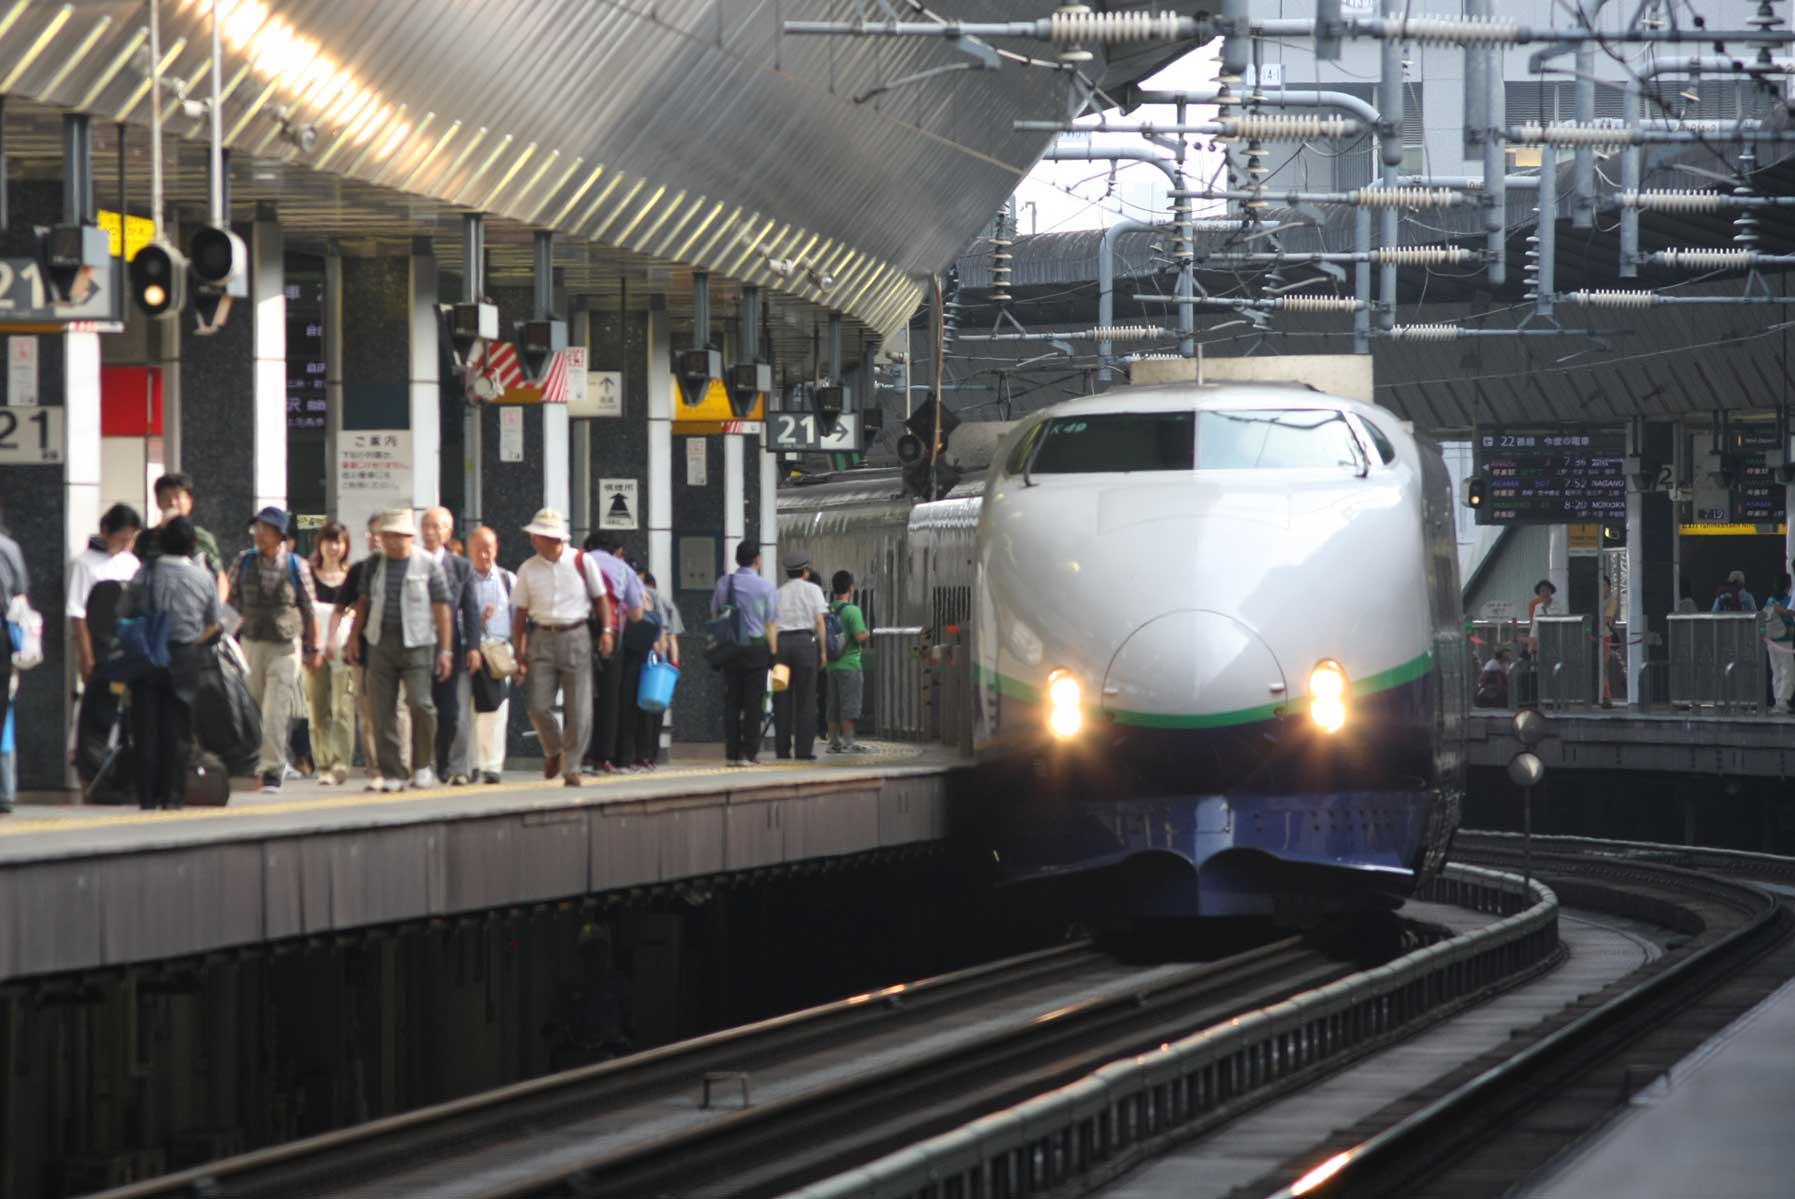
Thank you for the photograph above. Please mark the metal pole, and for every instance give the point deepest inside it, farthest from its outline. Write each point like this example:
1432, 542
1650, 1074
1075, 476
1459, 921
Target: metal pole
1545, 232
1185, 251
77, 169
1390, 108
1106, 289
217, 155
155, 119
835, 370
1477, 73
473, 257
1527, 841
543, 244
1632, 163
1361, 278
1583, 169
701, 310
1495, 177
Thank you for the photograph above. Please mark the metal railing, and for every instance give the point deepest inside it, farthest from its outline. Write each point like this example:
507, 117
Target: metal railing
1717, 662
900, 683
1568, 659
1106, 1120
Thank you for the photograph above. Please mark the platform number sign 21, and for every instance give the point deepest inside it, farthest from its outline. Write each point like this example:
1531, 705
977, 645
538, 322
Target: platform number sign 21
30, 435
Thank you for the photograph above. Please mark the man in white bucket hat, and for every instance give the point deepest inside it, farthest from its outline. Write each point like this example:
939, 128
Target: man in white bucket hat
556, 594
404, 612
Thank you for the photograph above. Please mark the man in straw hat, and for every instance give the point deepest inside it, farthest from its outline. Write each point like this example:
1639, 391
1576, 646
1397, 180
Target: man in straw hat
555, 595
403, 610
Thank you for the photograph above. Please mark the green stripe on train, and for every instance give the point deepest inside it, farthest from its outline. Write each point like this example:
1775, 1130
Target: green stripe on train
1384, 680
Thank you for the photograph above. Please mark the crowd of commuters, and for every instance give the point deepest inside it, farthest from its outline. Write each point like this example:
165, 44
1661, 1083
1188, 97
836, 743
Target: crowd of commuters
417, 645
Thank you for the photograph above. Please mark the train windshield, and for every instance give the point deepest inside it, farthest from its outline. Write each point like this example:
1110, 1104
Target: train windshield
1116, 442
1274, 439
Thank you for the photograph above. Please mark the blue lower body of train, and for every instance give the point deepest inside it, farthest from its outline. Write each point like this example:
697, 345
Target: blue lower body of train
1267, 817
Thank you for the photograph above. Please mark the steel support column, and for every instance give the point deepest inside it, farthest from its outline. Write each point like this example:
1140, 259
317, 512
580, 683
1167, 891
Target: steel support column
473, 290
660, 444
268, 295
425, 390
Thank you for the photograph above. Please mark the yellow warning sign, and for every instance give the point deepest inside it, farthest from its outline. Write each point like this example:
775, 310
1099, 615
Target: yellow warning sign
1585, 538
711, 412
139, 232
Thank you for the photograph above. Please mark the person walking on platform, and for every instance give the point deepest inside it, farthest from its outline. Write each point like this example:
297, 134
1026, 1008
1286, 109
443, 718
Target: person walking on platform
492, 586
802, 638
847, 679
15, 581
161, 712
274, 591
174, 497
556, 594
1779, 629
454, 699
665, 614
107, 559
403, 610
612, 698
330, 689
339, 640
745, 676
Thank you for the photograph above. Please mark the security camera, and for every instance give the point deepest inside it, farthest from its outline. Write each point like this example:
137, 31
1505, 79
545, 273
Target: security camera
302, 137
781, 267
822, 280
195, 110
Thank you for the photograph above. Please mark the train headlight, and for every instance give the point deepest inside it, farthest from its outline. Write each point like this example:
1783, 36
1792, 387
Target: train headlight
1328, 692
1065, 704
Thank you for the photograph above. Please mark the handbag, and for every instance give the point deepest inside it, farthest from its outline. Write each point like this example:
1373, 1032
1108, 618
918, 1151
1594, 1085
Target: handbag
500, 659
641, 636
489, 693
724, 643
654, 694
140, 645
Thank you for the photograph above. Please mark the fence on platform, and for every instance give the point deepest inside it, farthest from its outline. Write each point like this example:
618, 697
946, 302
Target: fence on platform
1717, 662
924, 686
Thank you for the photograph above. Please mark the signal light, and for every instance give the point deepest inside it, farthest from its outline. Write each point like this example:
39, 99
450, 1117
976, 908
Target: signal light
159, 281
1476, 491
220, 265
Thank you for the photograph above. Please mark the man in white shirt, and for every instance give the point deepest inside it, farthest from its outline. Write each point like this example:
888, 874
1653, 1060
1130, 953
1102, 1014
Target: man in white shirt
550, 605
107, 559
802, 651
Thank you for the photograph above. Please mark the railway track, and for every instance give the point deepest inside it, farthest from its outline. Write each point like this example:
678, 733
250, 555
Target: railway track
1500, 1119
830, 1086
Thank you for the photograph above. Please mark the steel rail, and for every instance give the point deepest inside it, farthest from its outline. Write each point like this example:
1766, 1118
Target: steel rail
766, 1150
447, 1125
1099, 1125
1449, 1126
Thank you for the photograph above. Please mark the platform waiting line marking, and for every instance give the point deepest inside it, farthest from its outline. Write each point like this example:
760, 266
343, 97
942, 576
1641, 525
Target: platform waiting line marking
11, 828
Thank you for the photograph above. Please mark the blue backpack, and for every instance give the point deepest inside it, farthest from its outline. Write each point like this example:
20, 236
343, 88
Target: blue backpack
837, 635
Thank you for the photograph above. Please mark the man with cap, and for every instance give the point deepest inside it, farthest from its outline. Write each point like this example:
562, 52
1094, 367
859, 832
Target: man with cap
280, 632
611, 697
555, 595
403, 610
1734, 597
803, 650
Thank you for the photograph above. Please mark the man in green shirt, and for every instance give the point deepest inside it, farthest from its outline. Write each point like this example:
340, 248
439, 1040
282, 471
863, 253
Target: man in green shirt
846, 682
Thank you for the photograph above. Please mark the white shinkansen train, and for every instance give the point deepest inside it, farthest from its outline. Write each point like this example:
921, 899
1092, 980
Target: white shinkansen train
1218, 625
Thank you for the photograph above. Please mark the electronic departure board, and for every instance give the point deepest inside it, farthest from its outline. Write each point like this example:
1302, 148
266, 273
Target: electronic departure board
1552, 474
1757, 498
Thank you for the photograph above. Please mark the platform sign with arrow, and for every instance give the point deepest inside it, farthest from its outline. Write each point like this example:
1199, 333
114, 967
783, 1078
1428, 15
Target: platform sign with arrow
603, 396
619, 504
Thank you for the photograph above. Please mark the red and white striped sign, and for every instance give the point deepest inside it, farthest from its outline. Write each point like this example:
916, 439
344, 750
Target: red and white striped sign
554, 387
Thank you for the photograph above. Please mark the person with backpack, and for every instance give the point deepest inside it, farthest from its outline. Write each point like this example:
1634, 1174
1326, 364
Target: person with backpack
1733, 597
15, 584
740, 641
847, 634
107, 559
802, 611
491, 586
161, 700
273, 590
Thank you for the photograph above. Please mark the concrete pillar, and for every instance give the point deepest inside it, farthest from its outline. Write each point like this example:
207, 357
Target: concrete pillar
1558, 565
1635, 613
769, 499
735, 500
333, 384
508, 492
268, 292
557, 468
232, 415
369, 349
659, 379
424, 393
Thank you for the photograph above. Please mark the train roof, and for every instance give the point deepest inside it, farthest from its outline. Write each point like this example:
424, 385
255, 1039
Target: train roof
1176, 397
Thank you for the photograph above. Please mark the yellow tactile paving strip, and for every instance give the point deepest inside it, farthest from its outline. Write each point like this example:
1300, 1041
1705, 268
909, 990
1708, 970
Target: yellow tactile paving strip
353, 797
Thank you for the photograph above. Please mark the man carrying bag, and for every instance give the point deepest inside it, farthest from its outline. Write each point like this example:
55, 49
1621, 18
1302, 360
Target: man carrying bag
740, 640
491, 585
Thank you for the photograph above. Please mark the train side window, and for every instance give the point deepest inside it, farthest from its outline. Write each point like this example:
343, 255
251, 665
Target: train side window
1276, 439
1116, 442
1385, 450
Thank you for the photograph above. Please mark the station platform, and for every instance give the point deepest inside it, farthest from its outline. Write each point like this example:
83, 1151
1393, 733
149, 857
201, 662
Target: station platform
1670, 742
1725, 1108
88, 887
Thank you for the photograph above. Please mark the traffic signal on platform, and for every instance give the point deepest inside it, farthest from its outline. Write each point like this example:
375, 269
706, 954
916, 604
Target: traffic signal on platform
1476, 492
220, 264
159, 281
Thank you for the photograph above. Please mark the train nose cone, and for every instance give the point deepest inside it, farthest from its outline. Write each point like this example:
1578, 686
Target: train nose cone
1193, 667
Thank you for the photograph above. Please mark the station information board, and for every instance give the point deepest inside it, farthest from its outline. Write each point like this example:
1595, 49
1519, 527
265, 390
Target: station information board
1552, 474
1757, 498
